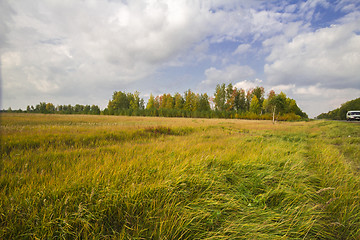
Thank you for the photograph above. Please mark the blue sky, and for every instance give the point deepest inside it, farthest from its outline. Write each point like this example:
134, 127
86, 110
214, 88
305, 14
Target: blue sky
69, 52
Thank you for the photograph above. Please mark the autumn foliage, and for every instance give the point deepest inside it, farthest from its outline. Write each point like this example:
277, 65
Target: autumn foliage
227, 102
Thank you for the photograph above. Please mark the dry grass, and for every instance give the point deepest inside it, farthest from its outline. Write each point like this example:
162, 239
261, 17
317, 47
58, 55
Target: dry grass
104, 177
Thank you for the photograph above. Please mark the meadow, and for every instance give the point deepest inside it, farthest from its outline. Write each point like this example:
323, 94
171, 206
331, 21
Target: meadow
117, 177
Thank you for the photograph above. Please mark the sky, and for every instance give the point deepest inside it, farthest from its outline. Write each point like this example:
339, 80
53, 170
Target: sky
80, 52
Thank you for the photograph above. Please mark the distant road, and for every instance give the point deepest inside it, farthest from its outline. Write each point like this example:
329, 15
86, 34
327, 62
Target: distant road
347, 121
339, 120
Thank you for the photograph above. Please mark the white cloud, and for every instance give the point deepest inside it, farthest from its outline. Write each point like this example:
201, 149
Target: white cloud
5, 17
328, 56
241, 49
56, 46
136, 37
266, 23
247, 85
9, 59
312, 90
229, 74
283, 88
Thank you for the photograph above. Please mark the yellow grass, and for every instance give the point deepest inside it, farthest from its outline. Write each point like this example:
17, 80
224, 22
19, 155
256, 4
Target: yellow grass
103, 177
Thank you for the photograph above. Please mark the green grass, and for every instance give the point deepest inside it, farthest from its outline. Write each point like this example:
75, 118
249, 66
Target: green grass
108, 177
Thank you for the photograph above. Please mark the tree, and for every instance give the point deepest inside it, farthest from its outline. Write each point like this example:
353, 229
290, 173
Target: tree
179, 101
269, 103
169, 103
190, 101
119, 101
40, 108
134, 100
240, 100
248, 99
94, 110
220, 97
229, 98
123, 101
162, 101
50, 108
142, 104
259, 93
157, 102
151, 102
279, 102
204, 104
255, 105
166, 101
78, 108
87, 109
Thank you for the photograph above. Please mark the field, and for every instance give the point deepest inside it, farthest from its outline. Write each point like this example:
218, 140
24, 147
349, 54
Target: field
110, 177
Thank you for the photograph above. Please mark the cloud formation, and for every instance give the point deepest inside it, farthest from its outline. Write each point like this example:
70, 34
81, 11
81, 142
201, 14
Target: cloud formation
230, 74
247, 85
80, 52
329, 57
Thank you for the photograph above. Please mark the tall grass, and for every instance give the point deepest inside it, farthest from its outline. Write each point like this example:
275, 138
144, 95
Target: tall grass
105, 177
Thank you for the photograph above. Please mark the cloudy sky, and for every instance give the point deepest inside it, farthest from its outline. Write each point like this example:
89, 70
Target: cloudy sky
69, 52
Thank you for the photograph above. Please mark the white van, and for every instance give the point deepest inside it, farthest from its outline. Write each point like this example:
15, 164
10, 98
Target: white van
353, 115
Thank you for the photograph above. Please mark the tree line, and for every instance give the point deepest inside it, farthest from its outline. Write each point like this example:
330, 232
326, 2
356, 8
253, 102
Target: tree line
340, 113
227, 102
49, 108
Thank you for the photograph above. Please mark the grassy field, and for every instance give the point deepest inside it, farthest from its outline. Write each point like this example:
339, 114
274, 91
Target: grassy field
109, 177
